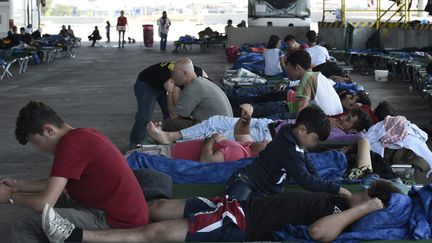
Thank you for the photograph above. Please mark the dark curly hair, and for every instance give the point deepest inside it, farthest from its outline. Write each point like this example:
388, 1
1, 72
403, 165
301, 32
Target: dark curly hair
315, 121
301, 58
384, 109
383, 189
364, 121
31, 119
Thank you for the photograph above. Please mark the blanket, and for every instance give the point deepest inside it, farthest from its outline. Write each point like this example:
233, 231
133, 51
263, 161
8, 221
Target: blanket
421, 219
406, 217
253, 62
386, 224
330, 165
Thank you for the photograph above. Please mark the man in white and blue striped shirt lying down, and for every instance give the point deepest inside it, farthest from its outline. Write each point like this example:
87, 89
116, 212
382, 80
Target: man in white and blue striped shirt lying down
224, 220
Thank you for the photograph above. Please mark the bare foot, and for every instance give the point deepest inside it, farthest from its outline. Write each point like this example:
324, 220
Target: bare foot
157, 134
158, 125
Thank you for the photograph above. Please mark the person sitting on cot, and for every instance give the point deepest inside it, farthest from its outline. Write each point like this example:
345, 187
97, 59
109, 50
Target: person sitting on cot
274, 58
219, 219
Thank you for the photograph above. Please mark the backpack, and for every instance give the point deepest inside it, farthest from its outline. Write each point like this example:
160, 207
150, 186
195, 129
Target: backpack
232, 53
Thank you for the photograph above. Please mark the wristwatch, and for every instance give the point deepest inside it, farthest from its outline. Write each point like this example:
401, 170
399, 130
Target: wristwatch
10, 199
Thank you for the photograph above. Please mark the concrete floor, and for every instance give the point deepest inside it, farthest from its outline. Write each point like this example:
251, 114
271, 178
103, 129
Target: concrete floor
96, 90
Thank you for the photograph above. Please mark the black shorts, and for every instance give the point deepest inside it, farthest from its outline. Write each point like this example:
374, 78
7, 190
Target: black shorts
215, 220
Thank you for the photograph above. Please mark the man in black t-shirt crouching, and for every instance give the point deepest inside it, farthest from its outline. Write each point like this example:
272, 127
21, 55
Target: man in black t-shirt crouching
223, 220
149, 89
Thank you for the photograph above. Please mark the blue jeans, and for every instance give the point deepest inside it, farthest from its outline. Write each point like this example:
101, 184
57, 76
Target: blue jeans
244, 92
146, 97
163, 42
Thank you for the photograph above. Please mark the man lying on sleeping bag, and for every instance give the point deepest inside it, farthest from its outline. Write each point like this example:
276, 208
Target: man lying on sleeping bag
344, 128
214, 148
222, 220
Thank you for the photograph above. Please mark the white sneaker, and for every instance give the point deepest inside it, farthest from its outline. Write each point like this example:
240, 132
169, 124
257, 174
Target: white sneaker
56, 228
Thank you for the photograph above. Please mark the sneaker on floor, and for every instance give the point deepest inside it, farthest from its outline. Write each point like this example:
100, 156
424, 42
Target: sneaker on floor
56, 228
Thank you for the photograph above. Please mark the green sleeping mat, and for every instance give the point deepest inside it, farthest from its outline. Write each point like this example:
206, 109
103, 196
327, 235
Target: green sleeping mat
181, 191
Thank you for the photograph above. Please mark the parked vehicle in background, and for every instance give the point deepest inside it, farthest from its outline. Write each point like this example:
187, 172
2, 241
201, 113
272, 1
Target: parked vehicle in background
279, 13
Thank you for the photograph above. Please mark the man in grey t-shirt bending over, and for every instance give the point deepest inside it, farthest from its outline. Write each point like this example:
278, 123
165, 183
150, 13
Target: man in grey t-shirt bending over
199, 99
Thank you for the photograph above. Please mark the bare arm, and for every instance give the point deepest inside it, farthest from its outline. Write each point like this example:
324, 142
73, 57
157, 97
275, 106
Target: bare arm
176, 94
173, 94
24, 185
301, 104
36, 201
363, 154
32, 186
327, 229
341, 79
282, 63
207, 153
242, 127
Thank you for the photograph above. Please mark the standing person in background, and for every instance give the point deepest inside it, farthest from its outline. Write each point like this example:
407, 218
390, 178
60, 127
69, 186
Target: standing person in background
121, 28
228, 26
164, 24
108, 29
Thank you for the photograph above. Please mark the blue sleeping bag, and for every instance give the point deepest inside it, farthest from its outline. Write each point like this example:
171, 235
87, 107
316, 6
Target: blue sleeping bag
330, 165
421, 218
406, 217
253, 62
386, 224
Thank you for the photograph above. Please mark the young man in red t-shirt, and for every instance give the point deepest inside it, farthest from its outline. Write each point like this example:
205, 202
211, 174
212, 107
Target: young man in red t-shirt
102, 191
121, 28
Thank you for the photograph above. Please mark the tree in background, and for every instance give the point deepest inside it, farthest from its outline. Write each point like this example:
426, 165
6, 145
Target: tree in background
59, 9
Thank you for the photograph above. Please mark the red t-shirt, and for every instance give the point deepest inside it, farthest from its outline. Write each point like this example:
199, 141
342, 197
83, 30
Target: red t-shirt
121, 21
231, 150
100, 178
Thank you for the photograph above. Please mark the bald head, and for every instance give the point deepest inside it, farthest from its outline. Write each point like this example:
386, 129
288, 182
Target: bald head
184, 71
184, 64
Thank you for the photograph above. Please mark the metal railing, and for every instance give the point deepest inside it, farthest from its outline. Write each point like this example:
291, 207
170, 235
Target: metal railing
401, 7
